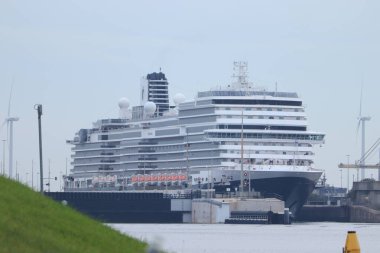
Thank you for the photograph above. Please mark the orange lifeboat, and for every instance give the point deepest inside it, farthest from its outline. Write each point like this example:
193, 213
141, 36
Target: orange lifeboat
140, 178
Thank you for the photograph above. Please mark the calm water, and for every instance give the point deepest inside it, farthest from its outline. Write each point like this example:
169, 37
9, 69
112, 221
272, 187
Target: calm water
298, 237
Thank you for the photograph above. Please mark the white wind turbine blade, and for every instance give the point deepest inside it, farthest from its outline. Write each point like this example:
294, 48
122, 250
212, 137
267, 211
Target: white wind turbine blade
360, 113
4, 122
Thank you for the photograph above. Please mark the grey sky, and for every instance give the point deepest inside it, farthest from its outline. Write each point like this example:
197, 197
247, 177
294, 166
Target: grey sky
78, 58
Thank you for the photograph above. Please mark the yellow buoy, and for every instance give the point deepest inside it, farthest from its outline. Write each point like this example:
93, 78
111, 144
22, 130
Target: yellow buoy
352, 243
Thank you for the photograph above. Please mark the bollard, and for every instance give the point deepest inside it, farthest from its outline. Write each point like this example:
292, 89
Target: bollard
286, 216
352, 243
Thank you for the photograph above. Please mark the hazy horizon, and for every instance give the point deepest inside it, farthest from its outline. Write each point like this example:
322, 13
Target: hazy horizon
79, 58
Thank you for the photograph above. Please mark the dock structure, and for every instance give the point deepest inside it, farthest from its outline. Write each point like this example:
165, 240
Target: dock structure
173, 207
363, 205
236, 210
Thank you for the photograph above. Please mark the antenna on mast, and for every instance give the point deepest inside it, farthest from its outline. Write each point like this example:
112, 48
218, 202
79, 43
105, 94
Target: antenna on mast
240, 75
275, 89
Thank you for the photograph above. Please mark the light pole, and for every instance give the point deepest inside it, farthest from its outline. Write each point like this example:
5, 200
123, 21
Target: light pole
189, 179
144, 170
39, 112
348, 173
242, 154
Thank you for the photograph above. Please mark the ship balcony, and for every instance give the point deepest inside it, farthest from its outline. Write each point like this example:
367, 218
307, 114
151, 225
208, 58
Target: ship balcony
146, 150
147, 159
108, 146
146, 166
148, 143
107, 161
105, 168
107, 153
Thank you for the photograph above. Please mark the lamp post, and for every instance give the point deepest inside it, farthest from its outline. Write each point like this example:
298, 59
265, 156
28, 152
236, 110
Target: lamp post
39, 112
144, 170
348, 173
242, 154
189, 179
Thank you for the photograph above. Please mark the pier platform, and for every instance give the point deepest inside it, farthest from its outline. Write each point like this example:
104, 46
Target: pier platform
171, 207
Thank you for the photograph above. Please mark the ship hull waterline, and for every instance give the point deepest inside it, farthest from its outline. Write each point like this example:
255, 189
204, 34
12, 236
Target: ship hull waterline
292, 187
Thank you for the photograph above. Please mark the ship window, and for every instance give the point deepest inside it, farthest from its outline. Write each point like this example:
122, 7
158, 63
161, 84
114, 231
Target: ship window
271, 117
269, 109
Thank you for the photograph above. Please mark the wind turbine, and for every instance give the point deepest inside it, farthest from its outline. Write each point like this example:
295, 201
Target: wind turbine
362, 120
9, 121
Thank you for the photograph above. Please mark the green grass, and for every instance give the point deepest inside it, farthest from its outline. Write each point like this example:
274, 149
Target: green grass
30, 222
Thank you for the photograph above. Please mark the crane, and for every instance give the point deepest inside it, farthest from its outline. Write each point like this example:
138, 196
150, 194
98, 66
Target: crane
359, 164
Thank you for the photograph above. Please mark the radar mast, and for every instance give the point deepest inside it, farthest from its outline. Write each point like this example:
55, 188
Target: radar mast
240, 76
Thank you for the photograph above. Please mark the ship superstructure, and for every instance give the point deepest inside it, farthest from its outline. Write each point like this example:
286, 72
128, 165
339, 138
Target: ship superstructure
223, 137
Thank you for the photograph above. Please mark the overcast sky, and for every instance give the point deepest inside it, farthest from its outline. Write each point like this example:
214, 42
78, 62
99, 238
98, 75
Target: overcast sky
77, 58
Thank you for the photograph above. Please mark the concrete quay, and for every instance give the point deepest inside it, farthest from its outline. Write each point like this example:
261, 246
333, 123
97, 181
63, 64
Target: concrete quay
363, 206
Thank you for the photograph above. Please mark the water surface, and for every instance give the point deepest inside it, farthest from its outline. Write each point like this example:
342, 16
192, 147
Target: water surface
217, 238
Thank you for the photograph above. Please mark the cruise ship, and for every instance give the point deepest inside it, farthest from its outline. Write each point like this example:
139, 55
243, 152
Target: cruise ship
235, 139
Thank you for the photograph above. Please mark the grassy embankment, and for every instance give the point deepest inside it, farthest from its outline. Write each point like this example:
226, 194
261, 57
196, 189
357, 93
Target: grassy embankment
30, 222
